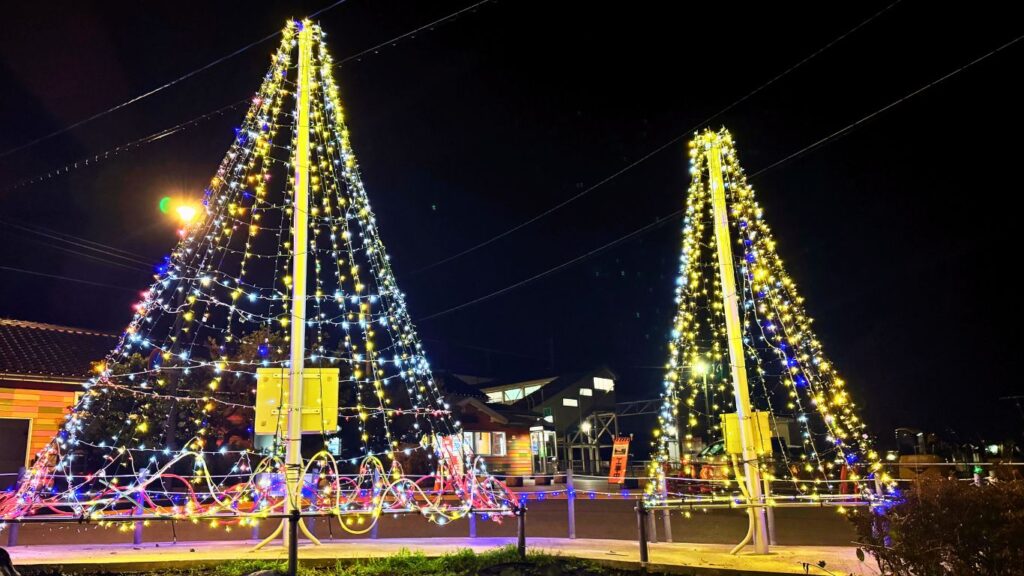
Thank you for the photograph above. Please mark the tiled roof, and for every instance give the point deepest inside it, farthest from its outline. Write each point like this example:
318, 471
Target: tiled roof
47, 350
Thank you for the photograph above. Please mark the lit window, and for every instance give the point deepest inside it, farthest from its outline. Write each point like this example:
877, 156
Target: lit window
498, 444
494, 397
486, 443
482, 443
513, 394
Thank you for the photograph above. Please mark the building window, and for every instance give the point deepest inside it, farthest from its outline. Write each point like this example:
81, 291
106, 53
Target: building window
513, 394
486, 443
495, 397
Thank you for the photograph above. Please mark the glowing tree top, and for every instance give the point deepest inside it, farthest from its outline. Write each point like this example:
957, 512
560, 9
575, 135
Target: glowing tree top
169, 416
775, 355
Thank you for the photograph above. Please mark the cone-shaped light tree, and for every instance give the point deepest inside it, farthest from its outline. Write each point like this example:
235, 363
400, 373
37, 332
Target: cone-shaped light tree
285, 232
822, 446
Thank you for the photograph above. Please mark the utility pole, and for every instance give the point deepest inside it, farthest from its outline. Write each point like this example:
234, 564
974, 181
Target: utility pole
734, 334
300, 228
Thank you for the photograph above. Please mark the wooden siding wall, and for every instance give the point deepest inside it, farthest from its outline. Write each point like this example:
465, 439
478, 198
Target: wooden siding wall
517, 460
46, 408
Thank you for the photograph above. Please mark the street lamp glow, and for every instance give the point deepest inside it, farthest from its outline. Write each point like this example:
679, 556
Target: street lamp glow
701, 368
186, 213
585, 426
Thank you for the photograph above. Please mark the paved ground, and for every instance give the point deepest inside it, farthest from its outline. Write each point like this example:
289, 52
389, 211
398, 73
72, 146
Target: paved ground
605, 519
703, 559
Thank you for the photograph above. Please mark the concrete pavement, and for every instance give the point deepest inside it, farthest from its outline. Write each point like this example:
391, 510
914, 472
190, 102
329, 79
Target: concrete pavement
702, 559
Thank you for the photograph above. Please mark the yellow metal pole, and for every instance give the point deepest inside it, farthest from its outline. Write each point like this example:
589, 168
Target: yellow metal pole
300, 227
734, 335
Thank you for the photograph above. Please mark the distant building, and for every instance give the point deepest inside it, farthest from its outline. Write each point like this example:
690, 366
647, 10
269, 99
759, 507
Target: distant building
500, 433
573, 410
42, 368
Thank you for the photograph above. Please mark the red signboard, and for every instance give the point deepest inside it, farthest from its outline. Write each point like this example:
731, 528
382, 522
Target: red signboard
620, 456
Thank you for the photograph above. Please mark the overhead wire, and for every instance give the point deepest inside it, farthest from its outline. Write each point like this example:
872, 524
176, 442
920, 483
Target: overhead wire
657, 150
669, 217
67, 278
105, 249
159, 135
153, 91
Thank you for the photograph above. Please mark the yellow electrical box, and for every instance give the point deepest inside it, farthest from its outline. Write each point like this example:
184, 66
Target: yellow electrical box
319, 395
759, 433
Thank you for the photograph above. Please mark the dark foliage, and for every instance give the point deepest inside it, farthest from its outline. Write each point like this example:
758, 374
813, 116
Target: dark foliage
948, 528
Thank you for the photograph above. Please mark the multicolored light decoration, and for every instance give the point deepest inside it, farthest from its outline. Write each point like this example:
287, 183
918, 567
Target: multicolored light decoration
789, 374
166, 424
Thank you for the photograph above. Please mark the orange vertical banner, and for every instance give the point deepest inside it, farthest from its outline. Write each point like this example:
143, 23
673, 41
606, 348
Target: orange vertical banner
620, 457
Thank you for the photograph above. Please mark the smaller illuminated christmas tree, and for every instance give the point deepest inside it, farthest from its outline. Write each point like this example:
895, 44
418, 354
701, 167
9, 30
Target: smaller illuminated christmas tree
742, 342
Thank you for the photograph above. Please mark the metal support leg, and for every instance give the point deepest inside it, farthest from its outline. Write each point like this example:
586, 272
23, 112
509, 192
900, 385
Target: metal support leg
652, 527
139, 503
770, 512
375, 520
472, 524
667, 520
641, 522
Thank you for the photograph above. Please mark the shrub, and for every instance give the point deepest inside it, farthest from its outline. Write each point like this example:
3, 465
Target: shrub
947, 528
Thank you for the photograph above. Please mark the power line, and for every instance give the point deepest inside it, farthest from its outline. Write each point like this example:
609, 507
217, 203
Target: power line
843, 131
89, 256
412, 32
189, 123
149, 93
654, 152
652, 226
80, 242
454, 344
669, 217
67, 278
89, 160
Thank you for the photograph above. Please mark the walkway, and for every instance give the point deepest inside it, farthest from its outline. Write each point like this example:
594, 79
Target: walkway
702, 559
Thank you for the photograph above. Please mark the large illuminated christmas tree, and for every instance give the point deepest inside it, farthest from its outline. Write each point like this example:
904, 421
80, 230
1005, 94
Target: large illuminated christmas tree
742, 345
280, 285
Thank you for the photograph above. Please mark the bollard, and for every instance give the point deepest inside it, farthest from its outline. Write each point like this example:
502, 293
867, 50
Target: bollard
12, 529
641, 522
521, 531
472, 524
570, 498
293, 542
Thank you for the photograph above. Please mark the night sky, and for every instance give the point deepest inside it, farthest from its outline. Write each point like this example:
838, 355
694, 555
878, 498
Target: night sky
900, 234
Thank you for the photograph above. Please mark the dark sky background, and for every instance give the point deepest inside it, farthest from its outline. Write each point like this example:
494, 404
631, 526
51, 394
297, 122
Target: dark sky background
902, 234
